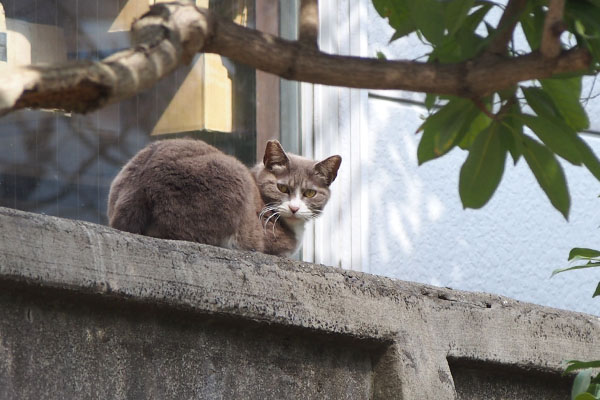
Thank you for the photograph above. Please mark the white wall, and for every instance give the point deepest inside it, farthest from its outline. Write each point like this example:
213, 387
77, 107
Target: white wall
419, 231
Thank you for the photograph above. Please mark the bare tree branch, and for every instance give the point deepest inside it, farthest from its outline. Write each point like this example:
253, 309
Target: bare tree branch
506, 26
309, 23
473, 78
172, 33
554, 26
164, 38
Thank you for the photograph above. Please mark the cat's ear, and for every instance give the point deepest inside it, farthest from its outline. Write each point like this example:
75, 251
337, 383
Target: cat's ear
275, 156
328, 168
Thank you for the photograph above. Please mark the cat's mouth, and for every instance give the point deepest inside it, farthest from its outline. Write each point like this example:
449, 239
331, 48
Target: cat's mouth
274, 213
295, 218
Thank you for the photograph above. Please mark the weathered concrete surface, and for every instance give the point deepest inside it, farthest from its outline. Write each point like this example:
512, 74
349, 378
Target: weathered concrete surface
91, 311
57, 346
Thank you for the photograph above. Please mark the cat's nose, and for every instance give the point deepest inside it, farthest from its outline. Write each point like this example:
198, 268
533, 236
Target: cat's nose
293, 209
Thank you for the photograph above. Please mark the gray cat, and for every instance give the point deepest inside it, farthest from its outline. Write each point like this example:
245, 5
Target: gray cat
188, 190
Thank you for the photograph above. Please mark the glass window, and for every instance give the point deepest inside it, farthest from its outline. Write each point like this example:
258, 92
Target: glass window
62, 164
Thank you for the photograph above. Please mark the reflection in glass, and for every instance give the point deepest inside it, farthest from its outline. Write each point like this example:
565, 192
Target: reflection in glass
62, 164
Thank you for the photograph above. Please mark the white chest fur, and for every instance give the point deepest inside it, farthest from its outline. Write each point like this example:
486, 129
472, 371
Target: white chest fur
297, 226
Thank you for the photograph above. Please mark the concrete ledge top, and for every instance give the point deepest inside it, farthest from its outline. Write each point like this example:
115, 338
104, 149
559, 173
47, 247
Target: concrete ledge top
438, 323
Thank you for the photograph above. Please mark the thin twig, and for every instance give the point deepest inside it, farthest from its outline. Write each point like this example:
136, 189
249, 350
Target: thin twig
554, 26
479, 104
505, 108
308, 33
506, 26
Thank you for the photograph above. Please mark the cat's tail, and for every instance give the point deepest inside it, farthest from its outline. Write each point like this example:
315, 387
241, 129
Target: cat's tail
129, 211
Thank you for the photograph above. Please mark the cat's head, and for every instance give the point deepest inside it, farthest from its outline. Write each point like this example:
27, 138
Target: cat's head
294, 187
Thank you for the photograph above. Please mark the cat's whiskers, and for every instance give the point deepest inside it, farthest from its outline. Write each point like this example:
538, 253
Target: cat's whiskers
268, 208
262, 213
275, 214
275, 222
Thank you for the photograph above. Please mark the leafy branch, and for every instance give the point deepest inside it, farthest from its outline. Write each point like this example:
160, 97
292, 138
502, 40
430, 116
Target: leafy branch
494, 124
591, 259
586, 385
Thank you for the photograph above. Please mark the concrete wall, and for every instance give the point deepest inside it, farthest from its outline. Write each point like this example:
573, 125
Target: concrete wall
90, 312
420, 232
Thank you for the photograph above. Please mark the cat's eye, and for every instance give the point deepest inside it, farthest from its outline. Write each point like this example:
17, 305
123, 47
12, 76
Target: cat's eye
310, 193
283, 188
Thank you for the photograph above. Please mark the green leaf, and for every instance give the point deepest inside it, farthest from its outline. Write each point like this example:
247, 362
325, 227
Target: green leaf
402, 22
398, 15
582, 252
464, 43
596, 3
445, 128
556, 135
581, 383
532, 22
594, 388
382, 7
451, 135
566, 94
403, 30
430, 100
583, 33
597, 291
482, 171
587, 15
456, 13
513, 127
594, 48
585, 266
425, 150
548, 173
428, 16
509, 142
513, 138
459, 48
474, 19
480, 123
540, 101
588, 158
583, 20
445, 53
580, 28
574, 365
586, 396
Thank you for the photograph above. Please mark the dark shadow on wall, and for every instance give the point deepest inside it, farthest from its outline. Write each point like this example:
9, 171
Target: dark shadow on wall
74, 345
478, 380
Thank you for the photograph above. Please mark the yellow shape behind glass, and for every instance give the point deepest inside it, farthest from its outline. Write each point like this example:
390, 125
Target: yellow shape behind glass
204, 100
